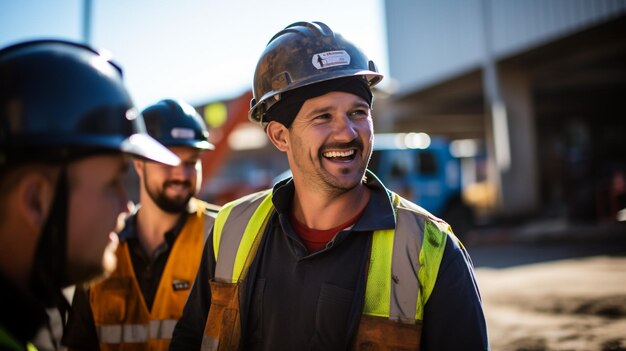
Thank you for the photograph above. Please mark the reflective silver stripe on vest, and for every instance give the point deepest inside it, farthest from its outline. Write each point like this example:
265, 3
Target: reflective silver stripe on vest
405, 266
235, 225
162, 329
208, 224
132, 333
209, 343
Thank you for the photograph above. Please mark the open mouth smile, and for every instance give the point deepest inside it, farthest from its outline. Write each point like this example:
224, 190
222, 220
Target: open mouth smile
344, 156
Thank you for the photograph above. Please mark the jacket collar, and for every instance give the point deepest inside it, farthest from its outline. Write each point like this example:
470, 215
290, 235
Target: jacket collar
378, 213
130, 224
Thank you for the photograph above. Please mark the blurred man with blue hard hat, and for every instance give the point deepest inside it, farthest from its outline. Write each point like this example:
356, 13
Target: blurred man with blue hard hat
66, 124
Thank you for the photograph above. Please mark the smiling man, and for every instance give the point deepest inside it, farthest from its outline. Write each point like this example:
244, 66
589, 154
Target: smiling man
329, 259
161, 245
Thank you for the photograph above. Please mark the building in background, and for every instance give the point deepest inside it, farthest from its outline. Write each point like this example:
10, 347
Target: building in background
529, 93
541, 84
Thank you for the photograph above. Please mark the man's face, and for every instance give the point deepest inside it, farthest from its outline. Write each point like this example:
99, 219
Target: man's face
331, 141
171, 187
97, 198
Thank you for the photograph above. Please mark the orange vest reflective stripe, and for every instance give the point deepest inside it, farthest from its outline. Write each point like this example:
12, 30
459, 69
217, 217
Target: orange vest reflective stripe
122, 319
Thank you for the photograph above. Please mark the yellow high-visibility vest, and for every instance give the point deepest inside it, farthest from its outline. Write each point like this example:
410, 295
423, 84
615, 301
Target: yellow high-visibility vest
404, 261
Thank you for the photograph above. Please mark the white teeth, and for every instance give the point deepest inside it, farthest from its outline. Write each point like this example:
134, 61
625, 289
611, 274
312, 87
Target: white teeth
339, 153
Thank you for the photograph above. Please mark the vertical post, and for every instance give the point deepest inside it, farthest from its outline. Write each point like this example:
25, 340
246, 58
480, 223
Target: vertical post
498, 140
87, 4
508, 97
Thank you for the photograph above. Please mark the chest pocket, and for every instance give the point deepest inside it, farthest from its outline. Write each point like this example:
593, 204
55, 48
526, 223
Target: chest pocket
115, 309
331, 318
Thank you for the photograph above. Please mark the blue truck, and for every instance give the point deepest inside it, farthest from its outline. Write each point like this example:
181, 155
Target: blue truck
424, 170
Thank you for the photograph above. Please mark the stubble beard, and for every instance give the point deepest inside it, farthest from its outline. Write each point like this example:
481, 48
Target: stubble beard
169, 205
324, 180
328, 183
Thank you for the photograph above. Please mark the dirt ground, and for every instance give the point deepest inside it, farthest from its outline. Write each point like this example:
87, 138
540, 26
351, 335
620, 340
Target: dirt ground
570, 304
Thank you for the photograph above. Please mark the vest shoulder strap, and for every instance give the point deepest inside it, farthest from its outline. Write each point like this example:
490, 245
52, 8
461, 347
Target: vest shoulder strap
236, 234
404, 264
207, 212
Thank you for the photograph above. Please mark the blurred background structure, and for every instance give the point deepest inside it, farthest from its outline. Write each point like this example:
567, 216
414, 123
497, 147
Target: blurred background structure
539, 83
528, 94
521, 102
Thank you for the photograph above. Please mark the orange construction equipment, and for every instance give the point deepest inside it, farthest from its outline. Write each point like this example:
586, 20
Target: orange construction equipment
237, 113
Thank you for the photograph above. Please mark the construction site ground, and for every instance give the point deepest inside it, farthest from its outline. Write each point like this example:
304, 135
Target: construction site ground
552, 287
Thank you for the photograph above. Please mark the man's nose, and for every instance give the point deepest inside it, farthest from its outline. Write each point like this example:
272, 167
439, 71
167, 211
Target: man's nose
183, 171
345, 128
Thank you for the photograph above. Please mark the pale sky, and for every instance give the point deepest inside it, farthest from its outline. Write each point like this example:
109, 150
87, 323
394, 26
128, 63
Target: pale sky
194, 50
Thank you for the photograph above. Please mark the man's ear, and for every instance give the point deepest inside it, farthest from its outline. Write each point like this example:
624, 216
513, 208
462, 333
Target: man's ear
35, 193
278, 135
139, 164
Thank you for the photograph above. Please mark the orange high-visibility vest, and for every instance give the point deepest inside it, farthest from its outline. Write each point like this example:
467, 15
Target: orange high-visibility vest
122, 319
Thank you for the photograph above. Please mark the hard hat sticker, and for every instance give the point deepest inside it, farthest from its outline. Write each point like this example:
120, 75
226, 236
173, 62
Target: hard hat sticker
182, 133
330, 59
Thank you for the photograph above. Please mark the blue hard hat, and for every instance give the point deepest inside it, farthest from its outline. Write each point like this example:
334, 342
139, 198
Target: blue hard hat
61, 100
176, 123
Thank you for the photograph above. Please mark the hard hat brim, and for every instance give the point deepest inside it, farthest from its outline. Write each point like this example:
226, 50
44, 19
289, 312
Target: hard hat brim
143, 145
204, 145
196, 144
